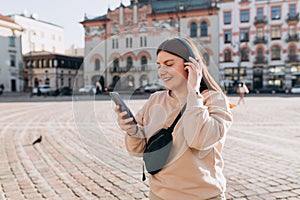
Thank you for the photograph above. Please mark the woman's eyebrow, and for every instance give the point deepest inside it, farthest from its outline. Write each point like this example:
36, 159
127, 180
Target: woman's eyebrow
166, 61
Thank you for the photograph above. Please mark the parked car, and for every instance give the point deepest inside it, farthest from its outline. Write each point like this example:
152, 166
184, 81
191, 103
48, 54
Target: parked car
153, 87
42, 90
88, 89
271, 89
63, 91
295, 89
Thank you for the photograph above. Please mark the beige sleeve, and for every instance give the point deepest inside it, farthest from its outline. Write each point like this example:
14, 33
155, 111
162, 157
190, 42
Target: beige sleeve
206, 120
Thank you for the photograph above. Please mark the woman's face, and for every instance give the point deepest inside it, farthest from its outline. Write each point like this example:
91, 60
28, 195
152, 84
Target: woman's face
171, 70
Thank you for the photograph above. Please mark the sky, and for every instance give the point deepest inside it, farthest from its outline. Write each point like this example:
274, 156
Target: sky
65, 13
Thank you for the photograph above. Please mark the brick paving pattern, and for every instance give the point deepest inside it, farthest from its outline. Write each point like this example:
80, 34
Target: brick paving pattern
82, 153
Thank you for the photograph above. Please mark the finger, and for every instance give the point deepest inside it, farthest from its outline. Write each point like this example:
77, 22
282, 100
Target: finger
127, 120
190, 66
117, 109
121, 116
193, 60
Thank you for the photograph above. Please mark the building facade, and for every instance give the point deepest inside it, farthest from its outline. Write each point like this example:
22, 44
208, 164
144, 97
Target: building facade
56, 70
259, 43
120, 46
11, 60
39, 35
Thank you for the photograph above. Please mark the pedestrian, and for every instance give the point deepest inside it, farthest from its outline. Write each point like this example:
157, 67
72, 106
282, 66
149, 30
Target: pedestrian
241, 90
1, 88
194, 166
98, 88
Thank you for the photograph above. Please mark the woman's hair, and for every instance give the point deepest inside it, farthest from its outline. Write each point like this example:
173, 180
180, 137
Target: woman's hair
207, 78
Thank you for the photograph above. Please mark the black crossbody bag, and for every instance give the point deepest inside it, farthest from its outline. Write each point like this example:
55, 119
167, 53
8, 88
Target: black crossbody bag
159, 147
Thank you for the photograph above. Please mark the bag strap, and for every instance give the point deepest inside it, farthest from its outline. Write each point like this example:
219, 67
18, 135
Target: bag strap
177, 118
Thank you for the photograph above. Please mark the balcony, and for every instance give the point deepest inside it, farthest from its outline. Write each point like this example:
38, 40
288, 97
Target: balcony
292, 38
260, 20
292, 59
260, 60
292, 18
260, 40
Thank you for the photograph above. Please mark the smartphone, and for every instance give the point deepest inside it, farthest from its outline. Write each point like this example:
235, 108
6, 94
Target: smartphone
123, 107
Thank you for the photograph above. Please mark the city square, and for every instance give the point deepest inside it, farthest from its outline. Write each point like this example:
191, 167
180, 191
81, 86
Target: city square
82, 153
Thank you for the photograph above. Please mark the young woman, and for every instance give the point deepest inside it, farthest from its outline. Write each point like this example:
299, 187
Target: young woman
195, 163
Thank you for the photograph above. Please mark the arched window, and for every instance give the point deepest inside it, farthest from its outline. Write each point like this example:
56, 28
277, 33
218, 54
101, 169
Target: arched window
193, 30
260, 53
244, 54
292, 54
144, 60
275, 55
292, 51
129, 62
227, 55
97, 64
203, 29
116, 64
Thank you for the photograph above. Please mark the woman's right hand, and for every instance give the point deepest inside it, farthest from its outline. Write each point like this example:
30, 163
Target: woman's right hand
124, 123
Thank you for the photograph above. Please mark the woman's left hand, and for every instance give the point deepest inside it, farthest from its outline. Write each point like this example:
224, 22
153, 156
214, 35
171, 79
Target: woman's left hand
194, 69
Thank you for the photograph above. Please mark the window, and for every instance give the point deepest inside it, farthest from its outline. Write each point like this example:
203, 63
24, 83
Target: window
116, 64
227, 55
113, 43
260, 14
227, 36
244, 35
244, 16
260, 53
193, 30
12, 60
292, 51
97, 64
203, 29
12, 41
144, 60
260, 33
275, 53
227, 17
292, 9
129, 62
244, 54
275, 32
128, 42
292, 30
143, 41
275, 12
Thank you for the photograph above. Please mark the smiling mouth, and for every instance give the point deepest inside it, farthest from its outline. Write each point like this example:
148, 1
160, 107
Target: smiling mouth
167, 79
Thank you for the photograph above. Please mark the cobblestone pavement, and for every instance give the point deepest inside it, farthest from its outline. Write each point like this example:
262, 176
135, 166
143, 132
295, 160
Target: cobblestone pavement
82, 154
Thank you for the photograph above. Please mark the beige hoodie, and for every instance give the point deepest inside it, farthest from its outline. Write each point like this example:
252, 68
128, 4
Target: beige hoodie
194, 168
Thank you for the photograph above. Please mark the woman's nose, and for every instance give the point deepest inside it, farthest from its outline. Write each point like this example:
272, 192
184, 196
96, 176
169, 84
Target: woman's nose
162, 70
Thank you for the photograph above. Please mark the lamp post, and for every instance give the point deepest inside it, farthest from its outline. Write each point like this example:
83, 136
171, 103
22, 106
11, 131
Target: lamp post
238, 44
180, 10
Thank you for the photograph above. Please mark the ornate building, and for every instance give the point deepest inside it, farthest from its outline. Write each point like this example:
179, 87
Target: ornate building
259, 43
120, 46
56, 70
